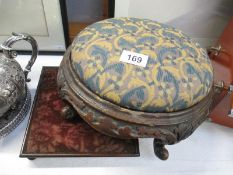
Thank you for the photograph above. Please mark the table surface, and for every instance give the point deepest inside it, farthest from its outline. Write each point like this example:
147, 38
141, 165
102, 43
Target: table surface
208, 151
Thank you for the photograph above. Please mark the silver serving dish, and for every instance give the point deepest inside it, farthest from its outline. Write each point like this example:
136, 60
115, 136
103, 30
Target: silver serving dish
14, 95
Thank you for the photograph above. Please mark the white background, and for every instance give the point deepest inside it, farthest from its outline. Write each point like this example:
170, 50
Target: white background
208, 151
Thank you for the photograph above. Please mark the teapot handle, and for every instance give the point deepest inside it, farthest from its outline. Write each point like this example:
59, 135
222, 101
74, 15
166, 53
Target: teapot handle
10, 53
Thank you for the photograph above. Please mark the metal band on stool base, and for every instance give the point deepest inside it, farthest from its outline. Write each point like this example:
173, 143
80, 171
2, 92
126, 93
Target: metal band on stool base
113, 120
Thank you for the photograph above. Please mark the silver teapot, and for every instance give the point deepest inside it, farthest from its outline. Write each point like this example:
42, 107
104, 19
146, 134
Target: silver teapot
13, 78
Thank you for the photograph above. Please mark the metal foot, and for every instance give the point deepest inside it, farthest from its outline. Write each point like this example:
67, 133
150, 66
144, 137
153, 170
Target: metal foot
68, 112
160, 151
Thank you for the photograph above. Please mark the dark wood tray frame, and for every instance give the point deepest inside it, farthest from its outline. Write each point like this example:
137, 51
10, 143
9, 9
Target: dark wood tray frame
33, 156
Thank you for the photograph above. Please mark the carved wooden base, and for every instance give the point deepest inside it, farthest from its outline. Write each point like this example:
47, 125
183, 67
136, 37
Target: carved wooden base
160, 151
115, 121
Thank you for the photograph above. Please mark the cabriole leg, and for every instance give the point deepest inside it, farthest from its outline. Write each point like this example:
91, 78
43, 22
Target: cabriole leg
68, 112
160, 151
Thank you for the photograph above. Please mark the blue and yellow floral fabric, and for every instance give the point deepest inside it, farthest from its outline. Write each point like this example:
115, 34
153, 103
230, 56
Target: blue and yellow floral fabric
178, 73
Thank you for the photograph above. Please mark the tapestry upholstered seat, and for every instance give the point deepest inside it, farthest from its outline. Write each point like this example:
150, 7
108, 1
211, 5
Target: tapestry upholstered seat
178, 73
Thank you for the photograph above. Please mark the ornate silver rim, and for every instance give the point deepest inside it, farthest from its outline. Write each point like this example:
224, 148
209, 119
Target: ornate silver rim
13, 118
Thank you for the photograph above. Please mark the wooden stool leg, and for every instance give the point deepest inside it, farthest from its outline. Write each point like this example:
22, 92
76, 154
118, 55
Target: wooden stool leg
68, 112
160, 151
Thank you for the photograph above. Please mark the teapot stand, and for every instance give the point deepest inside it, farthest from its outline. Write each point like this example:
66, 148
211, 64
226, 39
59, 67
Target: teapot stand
15, 116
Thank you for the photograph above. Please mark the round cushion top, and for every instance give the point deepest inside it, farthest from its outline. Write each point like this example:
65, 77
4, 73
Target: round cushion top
176, 74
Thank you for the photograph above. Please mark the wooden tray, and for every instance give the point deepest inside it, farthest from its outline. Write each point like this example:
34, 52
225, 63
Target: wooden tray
49, 135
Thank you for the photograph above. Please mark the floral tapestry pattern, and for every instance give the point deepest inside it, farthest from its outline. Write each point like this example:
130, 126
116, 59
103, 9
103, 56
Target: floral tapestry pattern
50, 133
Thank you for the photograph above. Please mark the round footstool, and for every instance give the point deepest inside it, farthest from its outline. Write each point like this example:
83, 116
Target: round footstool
135, 78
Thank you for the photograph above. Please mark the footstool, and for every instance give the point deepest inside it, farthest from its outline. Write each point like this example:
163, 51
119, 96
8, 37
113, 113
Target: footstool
137, 78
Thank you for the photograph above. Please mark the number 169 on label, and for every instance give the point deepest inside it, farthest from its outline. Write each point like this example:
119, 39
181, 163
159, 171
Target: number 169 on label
134, 58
